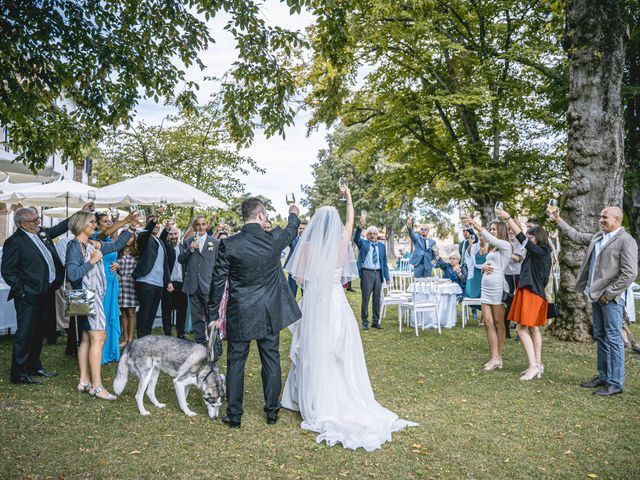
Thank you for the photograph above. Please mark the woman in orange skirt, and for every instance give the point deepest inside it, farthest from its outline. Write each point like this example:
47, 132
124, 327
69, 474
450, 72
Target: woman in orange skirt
529, 307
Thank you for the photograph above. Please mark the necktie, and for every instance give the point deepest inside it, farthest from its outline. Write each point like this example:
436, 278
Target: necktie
48, 258
374, 254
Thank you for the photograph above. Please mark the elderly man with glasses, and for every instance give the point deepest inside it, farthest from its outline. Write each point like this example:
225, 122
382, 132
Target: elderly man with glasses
373, 270
32, 268
423, 250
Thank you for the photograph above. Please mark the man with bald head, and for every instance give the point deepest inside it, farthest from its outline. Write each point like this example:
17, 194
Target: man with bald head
373, 270
610, 266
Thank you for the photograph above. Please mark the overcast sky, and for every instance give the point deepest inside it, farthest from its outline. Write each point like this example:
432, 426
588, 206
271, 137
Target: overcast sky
287, 162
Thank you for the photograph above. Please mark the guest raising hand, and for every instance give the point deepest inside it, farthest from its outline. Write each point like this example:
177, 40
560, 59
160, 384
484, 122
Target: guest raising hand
372, 267
529, 306
493, 287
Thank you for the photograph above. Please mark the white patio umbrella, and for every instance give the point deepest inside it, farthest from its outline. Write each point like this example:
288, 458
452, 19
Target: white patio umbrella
63, 193
152, 189
17, 172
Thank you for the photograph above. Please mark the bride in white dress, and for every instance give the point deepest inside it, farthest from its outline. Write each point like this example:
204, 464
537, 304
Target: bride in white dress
328, 382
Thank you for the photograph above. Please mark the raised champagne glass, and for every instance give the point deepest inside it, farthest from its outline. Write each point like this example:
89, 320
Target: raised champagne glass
343, 182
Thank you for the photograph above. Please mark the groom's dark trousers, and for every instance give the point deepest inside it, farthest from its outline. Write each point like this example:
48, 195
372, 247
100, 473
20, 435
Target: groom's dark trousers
268, 348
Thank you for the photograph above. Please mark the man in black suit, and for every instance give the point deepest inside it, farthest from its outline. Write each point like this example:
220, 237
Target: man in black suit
198, 257
152, 274
260, 304
32, 268
175, 300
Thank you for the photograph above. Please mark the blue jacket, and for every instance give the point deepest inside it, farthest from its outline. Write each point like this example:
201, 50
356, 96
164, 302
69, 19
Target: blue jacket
449, 272
364, 245
422, 249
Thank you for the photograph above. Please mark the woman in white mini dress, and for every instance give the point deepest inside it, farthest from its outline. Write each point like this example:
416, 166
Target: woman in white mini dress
493, 286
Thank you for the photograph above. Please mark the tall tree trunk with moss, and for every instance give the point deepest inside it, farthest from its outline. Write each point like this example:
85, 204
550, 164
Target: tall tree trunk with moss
631, 95
595, 154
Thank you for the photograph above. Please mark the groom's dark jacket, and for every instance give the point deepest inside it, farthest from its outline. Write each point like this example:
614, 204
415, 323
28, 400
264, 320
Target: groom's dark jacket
260, 301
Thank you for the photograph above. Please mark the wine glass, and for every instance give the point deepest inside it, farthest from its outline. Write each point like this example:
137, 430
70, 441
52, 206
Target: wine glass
363, 214
343, 182
142, 216
114, 212
499, 206
553, 203
133, 207
290, 199
91, 195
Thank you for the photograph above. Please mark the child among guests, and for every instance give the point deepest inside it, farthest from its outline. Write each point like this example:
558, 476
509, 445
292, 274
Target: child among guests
127, 262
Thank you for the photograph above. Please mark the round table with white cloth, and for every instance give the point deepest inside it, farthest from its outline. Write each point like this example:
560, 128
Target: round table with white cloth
447, 297
7, 310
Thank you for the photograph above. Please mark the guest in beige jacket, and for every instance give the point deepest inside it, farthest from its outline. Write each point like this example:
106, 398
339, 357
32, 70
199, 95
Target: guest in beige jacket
610, 266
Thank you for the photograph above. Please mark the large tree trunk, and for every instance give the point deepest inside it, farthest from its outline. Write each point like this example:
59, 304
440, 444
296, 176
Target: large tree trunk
632, 129
595, 158
391, 243
487, 213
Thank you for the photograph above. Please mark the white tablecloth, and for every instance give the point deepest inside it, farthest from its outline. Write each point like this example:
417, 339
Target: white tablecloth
631, 303
7, 312
447, 302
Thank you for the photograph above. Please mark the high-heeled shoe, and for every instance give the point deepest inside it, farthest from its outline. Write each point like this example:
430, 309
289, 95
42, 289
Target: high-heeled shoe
492, 365
83, 387
94, 393
530, 374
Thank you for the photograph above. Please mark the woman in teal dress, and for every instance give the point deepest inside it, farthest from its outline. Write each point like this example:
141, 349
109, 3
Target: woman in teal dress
106, 228
475, 257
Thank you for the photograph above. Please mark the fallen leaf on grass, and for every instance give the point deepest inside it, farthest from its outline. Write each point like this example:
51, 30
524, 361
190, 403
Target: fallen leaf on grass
592, 475
134, 452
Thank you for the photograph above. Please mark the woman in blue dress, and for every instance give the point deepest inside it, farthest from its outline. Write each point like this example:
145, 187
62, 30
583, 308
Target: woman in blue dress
475, 257
105, 232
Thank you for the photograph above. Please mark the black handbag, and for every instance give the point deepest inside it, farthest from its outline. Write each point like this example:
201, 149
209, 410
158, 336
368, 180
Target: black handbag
507, 297
553, 309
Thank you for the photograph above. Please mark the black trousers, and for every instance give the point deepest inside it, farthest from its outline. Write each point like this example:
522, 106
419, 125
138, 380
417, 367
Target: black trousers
237, 353
33, 316
149, 299
370, 283
513, 281
199, 314
171, 301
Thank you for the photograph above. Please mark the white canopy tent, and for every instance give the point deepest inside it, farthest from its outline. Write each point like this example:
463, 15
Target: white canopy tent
153, 189
63, 193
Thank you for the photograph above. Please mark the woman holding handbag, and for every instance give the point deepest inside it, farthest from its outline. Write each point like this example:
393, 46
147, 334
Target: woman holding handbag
494, 286
529, 308
85, 271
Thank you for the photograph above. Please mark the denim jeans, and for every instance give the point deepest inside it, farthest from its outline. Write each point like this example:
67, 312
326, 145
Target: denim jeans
607, 332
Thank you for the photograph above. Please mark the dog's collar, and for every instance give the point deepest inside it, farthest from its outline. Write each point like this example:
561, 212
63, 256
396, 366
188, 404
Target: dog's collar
207, 375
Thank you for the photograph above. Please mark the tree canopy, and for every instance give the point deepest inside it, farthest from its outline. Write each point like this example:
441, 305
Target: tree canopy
455, 99
72, 69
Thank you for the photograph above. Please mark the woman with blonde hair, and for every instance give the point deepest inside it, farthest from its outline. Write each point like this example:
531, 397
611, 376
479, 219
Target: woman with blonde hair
493, 287
85, 270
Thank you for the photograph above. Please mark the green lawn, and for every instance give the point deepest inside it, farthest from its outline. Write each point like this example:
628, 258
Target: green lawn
472, 424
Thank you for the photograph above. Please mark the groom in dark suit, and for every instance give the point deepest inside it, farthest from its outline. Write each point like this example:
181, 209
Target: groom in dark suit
260, 304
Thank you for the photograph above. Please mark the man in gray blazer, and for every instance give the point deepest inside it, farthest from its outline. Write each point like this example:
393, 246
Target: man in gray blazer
610, 266
198, 255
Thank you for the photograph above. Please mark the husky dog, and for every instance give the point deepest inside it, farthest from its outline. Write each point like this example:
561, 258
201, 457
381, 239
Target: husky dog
187, 362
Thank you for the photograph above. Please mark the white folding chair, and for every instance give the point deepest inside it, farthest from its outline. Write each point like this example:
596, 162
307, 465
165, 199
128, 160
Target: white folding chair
466, 303
396, 293
417, 305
